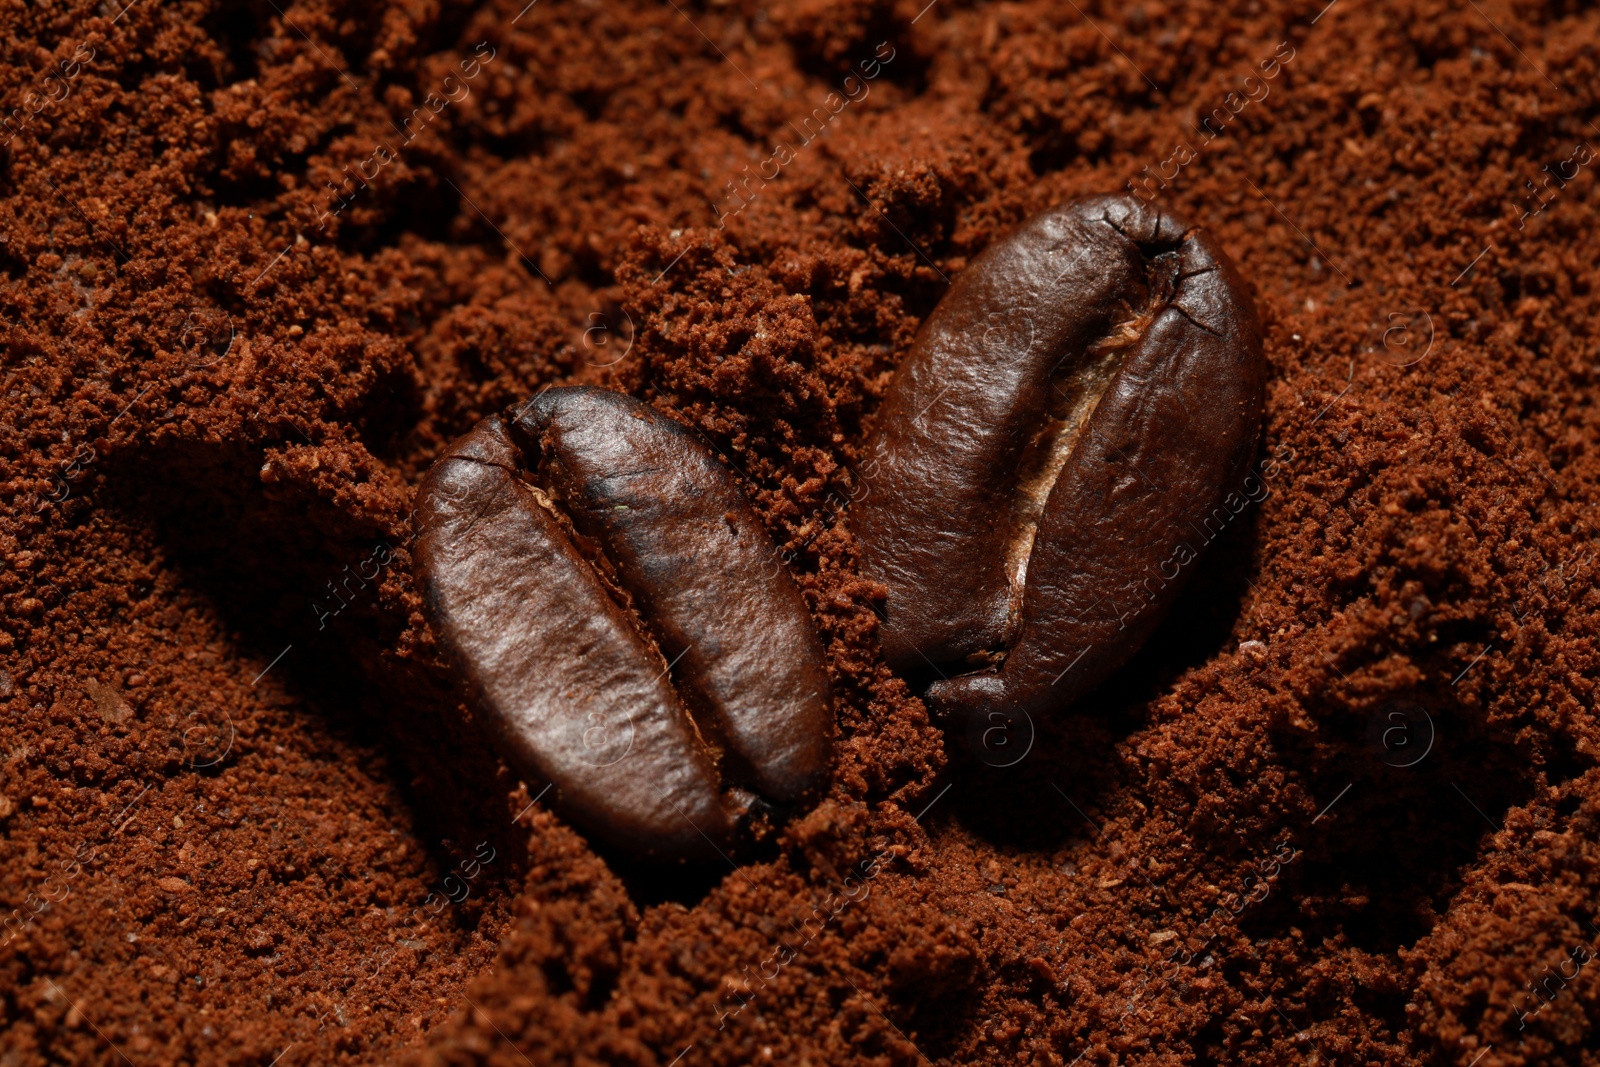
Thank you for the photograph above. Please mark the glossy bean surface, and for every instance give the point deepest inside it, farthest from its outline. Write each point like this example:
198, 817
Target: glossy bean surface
613, 602
1073, 424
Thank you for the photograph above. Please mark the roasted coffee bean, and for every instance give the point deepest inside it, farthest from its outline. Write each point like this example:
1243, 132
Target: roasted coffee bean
611, 598
1072, 425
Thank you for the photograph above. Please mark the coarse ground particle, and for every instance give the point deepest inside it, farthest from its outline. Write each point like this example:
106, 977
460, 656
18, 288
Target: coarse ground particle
259, 262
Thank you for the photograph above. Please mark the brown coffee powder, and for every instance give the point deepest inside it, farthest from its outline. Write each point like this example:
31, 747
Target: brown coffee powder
259, 262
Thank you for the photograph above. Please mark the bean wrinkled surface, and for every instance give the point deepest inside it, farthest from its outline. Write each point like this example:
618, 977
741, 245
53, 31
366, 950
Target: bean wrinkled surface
618, 611
1072, 425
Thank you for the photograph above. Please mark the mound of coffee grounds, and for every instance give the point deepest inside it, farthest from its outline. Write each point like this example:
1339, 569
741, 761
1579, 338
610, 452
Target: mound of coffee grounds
260, 262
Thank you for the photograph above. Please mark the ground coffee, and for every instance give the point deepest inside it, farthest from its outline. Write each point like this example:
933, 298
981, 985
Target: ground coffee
1343, 806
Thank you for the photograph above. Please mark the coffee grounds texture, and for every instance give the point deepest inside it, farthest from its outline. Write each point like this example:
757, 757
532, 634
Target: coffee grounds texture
259, 262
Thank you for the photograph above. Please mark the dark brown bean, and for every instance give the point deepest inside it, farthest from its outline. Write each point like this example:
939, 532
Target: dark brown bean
1074, 417
611, 598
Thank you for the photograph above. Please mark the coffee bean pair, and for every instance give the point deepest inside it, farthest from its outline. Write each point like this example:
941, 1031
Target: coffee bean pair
1090, 387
